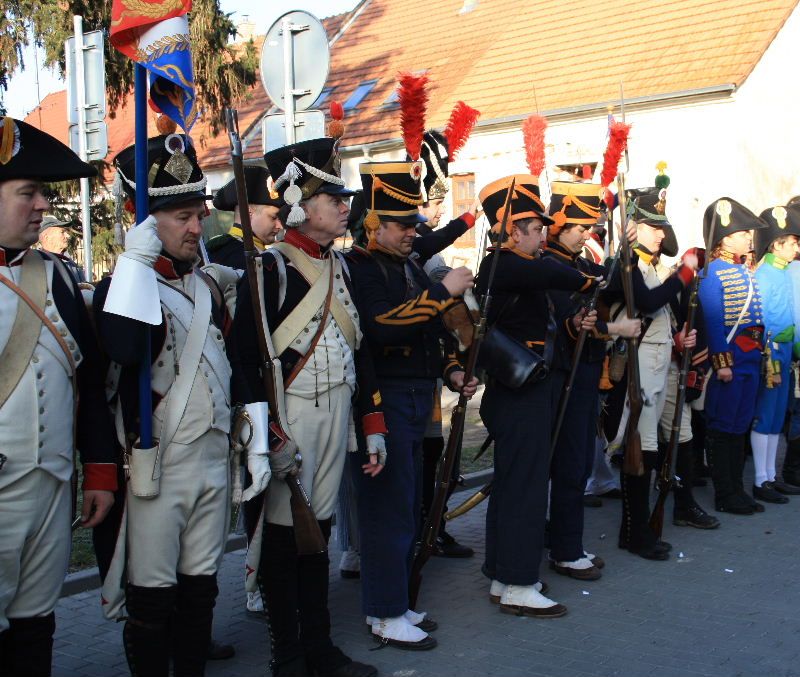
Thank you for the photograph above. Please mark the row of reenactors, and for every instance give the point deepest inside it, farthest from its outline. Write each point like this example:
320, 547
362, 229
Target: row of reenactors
361, 344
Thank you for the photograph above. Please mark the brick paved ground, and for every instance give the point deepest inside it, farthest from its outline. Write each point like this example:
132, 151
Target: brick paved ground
728, 606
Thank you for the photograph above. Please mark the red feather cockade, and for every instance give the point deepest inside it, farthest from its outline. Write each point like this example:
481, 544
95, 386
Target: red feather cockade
336, 126
413, 97
459, 127
617, 142
533, 132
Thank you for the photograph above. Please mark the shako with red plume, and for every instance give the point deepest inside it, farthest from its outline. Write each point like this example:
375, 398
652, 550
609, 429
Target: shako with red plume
336, 125
533, 130
412, 94
463, 119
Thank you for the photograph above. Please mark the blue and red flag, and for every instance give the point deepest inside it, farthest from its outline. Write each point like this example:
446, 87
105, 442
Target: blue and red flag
156, 35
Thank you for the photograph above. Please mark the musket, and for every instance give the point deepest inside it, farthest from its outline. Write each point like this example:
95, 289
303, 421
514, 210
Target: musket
576, 359
632, 463
307, 532
666, 477
431, 529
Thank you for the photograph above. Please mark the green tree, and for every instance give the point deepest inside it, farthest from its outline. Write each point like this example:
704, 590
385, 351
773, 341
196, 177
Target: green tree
223, 73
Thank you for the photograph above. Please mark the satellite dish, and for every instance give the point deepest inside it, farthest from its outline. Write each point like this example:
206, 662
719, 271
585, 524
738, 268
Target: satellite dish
310, 59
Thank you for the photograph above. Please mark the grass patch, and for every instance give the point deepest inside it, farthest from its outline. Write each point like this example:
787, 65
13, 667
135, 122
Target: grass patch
468, 465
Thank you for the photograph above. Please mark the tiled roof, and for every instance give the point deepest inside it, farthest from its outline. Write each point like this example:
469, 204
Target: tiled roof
574, 54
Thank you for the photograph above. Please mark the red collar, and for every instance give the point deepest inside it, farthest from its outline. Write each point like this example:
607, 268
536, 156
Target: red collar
165, 267
305, 243
13, 257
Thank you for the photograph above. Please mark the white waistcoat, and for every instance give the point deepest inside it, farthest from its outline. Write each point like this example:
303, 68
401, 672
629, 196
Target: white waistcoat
660, 330
208, 405
331, 363
36, 422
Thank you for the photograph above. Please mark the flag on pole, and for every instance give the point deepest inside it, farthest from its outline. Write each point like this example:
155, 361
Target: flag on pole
156, 35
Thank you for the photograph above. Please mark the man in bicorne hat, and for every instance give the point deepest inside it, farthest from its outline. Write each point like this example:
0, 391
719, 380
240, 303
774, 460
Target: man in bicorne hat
734, 318
314, 329
51, 384
775, 247
177, 501
227, 249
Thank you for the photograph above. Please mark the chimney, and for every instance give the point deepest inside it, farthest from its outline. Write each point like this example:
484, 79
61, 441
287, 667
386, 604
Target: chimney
245, 29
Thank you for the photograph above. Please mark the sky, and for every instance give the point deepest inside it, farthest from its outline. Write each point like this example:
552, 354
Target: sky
28, 87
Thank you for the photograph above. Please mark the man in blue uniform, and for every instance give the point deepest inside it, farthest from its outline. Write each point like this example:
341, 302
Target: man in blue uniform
732, 310
775, 248
522, 310
400, 309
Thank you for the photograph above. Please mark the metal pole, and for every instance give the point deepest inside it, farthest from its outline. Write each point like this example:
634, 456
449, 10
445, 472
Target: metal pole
288, 81
142, 211
80, 79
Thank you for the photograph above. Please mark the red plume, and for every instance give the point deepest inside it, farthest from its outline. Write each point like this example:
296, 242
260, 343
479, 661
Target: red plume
459, 127
617, 142
533, 133
413, 98
336, 126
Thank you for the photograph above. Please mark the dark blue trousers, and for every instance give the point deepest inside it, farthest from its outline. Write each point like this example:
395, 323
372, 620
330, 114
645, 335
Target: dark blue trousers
572, 464
389, 504
519, 420
730, 407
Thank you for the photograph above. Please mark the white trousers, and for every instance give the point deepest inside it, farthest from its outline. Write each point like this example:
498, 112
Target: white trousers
183, 529
654, 361
685, 433
321, 436
35, 543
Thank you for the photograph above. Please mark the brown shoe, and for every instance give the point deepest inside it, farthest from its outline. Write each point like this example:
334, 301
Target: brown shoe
590, 574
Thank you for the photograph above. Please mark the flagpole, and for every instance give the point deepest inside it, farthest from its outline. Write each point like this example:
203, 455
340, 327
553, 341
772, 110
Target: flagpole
142, 211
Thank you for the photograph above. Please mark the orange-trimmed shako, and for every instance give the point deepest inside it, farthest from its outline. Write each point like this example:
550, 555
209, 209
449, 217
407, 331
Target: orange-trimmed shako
574, 203
526, 201
392, 192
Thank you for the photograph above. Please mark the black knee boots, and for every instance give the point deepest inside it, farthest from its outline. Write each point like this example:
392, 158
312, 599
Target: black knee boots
146, 635
635, 533
191, 624
26, 648
726, 457
686, 511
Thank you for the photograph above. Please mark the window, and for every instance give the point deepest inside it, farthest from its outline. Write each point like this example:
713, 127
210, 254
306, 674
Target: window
323, 97
463, 197
393, 101
358, 95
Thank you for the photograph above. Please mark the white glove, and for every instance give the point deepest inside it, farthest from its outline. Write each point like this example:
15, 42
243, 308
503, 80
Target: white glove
376, 444
257, 449
227, 279
142, 243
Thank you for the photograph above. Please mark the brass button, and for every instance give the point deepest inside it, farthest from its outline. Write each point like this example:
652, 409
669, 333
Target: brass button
35, 359
41, 444
55, 317
41, 410
49, 302
39, 375
71, 345
169, 346
41, 393
62, 331
160, 363
41, 428
338, 276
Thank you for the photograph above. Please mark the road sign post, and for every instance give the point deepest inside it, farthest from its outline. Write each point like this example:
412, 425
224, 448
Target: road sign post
295, 60
86, 106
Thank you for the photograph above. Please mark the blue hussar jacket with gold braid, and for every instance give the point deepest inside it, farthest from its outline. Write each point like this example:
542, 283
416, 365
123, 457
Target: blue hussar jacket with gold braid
775, 286
400, 313
723, 294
